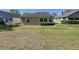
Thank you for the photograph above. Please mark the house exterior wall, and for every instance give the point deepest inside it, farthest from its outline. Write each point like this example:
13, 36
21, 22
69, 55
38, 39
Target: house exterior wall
16, 20
32, 21
35, 20
58, 20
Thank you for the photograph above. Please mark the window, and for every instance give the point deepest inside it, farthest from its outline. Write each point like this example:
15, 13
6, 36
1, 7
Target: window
28, 20
45, 19
10, 19
70, 18
50, 20
76, 18
41, 19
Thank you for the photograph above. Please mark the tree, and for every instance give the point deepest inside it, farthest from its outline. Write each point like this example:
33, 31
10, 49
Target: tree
24, 14
54, 14
15, 12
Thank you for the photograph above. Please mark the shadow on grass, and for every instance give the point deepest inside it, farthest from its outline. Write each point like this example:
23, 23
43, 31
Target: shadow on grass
8, 27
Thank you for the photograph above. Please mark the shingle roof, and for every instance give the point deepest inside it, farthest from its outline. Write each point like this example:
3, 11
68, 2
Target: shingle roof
67, 13
37, 15
5, 12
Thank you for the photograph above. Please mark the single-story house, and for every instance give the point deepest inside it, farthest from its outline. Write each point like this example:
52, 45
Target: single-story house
7, 18
37, 18
72, 15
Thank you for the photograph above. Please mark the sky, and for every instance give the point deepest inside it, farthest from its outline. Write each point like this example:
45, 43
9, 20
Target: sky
58, 11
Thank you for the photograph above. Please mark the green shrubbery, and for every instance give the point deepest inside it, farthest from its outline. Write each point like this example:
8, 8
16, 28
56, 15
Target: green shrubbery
70, 22
3, 26
47, 24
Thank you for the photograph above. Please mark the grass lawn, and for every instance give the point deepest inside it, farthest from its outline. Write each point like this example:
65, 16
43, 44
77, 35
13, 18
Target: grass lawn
59, 36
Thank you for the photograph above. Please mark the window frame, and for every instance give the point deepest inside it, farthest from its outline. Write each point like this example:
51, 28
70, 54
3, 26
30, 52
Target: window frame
71, 19
45, 20
41, 20
50, 20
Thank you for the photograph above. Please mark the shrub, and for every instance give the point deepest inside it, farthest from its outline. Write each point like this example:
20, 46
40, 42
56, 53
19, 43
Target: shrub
70, 22
47, 24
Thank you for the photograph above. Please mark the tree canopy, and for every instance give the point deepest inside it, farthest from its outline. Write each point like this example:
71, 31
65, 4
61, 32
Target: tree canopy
24, 14
15, 12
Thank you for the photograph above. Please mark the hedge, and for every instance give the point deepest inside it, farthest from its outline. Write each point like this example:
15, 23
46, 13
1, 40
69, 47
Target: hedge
47, 24
70, 22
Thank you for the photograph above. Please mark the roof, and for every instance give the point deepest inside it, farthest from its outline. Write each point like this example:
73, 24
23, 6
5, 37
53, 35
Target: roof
37, 15
8, 14
5, 12
66, 14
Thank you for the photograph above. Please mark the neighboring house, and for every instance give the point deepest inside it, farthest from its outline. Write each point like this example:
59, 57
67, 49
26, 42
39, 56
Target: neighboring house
72, 15
7, 18
58, 18
37, 18
16, 20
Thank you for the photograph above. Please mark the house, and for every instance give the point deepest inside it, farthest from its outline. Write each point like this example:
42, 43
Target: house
68, 15
7, 18
16, 20
58, 18
37, 18
30, 19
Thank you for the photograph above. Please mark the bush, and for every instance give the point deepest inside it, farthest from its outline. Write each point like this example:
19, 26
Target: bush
70, 22
47, 24
3, 26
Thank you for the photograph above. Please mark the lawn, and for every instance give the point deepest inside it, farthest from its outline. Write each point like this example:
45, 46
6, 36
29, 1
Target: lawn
57, 37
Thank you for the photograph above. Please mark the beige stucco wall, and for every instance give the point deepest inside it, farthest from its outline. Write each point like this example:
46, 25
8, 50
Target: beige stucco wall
32, 21
16, 20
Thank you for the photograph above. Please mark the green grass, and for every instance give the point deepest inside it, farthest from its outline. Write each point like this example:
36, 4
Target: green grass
4, 27
57, 37
62, 36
